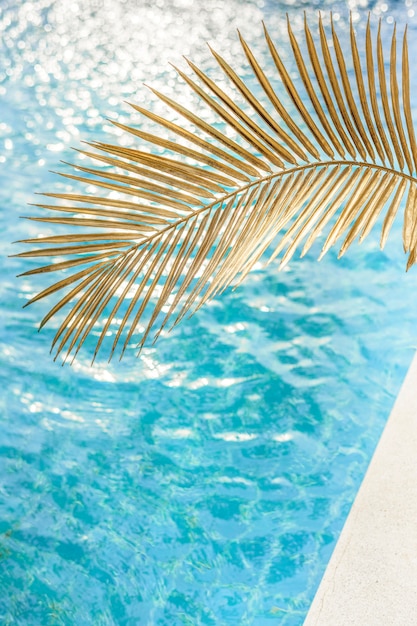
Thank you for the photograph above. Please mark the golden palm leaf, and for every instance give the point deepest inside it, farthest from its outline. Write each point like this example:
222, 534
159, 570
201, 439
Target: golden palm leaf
179, 228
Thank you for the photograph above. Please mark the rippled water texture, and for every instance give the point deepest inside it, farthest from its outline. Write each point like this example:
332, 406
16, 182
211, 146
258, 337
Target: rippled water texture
207, 481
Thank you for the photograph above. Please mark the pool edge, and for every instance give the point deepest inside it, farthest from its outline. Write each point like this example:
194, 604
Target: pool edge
372, 575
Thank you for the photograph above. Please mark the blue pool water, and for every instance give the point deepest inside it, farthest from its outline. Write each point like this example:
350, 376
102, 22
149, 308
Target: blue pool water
207, 481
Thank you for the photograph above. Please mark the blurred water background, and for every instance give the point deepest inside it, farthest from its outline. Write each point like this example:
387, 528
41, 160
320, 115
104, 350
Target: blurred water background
207, 481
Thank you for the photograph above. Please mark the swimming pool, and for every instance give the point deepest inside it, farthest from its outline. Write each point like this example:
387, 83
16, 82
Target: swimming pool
206, 482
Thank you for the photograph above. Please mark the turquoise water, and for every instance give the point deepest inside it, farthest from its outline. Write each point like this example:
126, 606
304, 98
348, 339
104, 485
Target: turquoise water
207, 481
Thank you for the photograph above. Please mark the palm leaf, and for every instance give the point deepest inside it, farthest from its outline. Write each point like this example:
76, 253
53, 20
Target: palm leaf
175, 230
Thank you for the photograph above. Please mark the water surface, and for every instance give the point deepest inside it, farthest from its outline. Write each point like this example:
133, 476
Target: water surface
207, 481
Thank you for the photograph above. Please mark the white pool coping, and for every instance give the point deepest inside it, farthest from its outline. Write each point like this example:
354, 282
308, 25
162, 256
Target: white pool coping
371, 579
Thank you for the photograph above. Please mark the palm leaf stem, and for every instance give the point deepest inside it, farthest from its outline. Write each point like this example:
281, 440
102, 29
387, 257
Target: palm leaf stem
270, 177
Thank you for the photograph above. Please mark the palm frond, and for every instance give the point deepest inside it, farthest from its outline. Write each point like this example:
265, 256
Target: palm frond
176, 229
